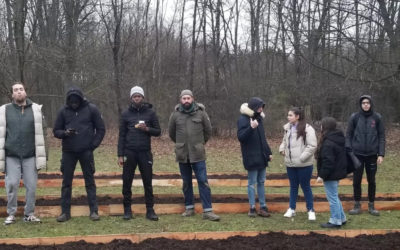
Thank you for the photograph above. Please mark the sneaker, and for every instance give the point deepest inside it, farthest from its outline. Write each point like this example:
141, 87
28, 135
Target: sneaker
252, 212
264, 212
127, 213
357, 209
329, 225
127, 216
311, 215
188, 212
63, 217
31, 218
151, 215
210, 216
9, 220
372, 210
94, 216
290, 213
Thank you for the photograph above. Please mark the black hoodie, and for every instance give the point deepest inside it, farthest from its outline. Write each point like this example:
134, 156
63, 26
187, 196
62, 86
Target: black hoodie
365, 132
332, 159
86, 120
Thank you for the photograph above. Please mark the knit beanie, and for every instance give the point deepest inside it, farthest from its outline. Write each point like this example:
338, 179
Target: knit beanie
137, 90
186, 92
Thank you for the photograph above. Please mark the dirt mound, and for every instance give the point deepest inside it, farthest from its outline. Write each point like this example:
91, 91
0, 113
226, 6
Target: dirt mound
263, 241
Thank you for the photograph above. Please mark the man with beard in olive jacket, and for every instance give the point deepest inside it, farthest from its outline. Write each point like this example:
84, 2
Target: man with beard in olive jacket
81, 127
190, 128
366, 138
137, 124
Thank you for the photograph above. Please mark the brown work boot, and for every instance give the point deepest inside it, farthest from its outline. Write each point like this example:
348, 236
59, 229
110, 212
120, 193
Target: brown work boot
264, 212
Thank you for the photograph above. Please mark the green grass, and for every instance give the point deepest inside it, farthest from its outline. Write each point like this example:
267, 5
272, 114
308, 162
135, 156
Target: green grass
175, 223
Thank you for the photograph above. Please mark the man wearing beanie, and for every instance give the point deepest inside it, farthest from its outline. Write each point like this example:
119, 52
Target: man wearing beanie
190, 128
80, 126
256, 152
137, 124
366, 138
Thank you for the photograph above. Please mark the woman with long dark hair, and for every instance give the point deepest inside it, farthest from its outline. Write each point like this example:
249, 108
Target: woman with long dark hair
332, 166
298, 146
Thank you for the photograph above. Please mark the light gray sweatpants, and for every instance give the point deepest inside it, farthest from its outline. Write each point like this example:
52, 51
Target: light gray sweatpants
14, 168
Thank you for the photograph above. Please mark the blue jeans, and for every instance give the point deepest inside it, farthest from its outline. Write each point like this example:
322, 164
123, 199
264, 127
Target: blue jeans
256, 176
200, 171
302, 176
337, 213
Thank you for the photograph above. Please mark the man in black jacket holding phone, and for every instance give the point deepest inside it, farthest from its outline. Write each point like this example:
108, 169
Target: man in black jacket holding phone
137, 124
81, 127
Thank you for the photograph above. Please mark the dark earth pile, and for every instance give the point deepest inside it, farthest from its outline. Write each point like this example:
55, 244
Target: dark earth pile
265, 241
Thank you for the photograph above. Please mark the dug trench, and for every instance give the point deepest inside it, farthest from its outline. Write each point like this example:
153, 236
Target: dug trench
273, 240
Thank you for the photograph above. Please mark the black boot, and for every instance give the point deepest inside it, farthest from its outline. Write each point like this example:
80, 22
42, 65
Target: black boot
127, 213
151, 215
356, 209
372, 210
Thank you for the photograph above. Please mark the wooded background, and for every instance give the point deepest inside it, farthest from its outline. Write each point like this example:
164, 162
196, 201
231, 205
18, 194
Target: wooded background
319, 54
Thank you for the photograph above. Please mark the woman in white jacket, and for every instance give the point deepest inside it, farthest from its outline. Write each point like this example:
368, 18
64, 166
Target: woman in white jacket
298, 146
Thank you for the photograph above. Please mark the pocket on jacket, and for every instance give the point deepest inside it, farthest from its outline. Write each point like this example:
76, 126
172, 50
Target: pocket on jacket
180, 151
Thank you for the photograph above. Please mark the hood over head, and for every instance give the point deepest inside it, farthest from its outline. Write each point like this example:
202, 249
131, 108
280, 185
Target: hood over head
75, 93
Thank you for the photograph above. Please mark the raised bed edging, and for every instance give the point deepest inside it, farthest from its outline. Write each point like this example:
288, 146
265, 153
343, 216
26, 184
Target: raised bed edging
227, 208
136, 238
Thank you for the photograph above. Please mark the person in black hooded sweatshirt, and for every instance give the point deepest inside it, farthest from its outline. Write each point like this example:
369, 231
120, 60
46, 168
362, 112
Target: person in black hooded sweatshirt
81, 127
365, 136
332, 167
137, 124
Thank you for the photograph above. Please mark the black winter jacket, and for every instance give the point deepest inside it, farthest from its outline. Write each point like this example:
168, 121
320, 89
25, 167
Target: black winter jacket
366, 133
253, 143
131, 138
332, 158
86, 120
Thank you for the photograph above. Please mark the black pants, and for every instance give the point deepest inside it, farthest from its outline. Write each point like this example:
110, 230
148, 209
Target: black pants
369, 163
68, 164
145, 161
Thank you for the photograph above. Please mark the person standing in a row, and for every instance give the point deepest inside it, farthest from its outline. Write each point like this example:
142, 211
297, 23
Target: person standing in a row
190, 128
22, 150
332, 167
80, 126
256, 152
136, 127
366, 138
298, 147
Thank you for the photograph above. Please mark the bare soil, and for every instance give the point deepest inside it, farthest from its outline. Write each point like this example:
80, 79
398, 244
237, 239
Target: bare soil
263, 241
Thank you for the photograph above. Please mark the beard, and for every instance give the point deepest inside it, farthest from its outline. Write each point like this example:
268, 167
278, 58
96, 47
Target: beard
20, 99
186, 105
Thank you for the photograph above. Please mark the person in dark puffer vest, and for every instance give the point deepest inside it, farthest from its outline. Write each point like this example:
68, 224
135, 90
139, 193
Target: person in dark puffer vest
332, 167
136, 127
256, 152
365, 136
80, 126
22, 150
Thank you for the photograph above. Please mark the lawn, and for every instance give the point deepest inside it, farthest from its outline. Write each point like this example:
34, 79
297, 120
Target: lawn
175, 223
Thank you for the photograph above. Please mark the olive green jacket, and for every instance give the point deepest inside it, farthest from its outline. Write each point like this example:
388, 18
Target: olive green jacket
190, 132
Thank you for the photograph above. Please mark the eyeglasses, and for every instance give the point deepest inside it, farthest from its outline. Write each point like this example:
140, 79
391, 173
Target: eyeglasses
364, 103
